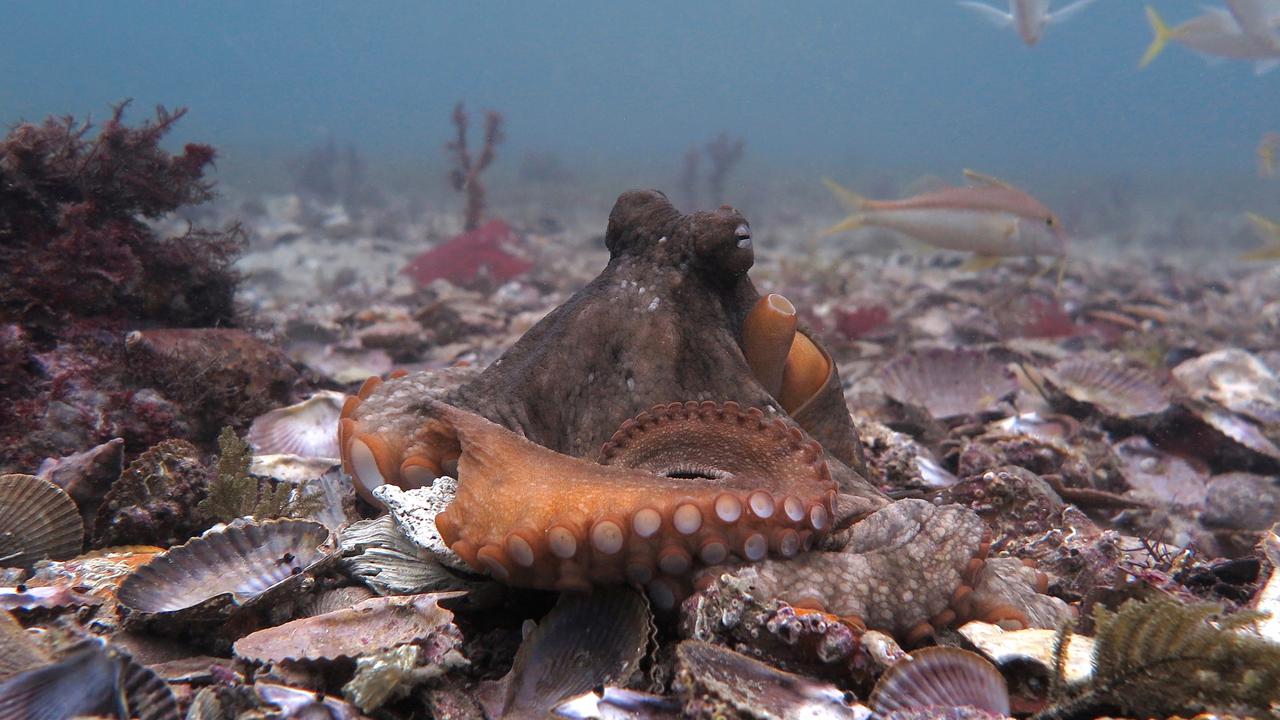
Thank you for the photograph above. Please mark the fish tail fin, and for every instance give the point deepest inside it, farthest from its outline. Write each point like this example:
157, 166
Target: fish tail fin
978, 263
1266, 226
1162, 34
853, 222
1270, 230
850, 199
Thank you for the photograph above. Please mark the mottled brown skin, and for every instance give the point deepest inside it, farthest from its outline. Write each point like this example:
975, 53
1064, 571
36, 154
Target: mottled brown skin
662, 324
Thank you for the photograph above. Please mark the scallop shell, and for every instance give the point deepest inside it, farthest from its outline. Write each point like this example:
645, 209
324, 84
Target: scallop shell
587, 640
369, 627
941, 677
1236, 380
307, 429
1120, 391
238, 563
37, 521
948, 383
91, 676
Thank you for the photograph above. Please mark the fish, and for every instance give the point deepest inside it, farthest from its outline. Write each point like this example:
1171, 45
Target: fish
1270, 231
1259, 19
1268, 148
990, 218
1028, 17
1217, 34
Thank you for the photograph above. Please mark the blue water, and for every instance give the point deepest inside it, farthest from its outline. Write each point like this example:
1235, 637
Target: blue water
814, 86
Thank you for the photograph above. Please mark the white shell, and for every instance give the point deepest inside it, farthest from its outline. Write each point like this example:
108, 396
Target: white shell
308, 429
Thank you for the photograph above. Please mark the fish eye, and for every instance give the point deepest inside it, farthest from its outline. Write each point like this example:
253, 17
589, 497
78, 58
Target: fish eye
1049, 221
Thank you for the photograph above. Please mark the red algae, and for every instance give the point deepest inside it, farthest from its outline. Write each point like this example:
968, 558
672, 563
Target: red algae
471, 256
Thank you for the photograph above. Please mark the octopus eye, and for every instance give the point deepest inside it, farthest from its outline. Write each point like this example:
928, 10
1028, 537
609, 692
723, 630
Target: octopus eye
1049, 221
743, 235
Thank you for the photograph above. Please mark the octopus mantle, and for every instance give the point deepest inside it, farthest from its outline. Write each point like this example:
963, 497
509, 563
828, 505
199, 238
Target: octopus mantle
663, 420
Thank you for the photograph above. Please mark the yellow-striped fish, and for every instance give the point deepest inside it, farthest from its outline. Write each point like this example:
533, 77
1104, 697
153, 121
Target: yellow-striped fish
991, 219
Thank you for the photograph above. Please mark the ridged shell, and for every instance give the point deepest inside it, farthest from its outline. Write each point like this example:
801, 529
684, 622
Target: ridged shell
706, 672
948, 383
88, 678
307, 429
242, 561
371, 626
587, 640
1123, 392
941, 677
37, 521
1238, 429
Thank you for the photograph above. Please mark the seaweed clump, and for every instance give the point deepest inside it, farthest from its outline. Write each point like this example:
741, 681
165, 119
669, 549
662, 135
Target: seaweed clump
235, 493
74, 239
82, 264
1161, 658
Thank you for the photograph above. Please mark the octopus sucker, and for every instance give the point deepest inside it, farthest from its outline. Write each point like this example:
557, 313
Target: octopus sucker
767, 336
686, 485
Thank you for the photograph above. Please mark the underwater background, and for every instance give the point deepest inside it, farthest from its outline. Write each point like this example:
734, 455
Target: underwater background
816, 88
668, 359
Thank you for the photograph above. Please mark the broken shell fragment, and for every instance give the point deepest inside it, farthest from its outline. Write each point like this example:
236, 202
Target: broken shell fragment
37, 521
1032, 645
299, 703
712, 676
415, 513
308, 429
377, 553
22, 597
941, 677
238, 565
949, 383
369, 627
1119, 391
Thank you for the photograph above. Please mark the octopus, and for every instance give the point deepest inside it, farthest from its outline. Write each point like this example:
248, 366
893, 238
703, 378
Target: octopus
665, 420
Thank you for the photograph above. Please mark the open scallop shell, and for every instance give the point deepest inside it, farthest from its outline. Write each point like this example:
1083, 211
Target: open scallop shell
949, 383
37, 521
1120, 391
307, 429
941, 677
237, 564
